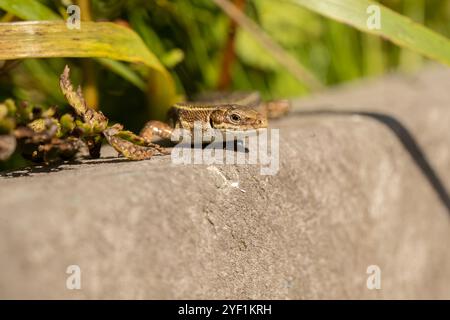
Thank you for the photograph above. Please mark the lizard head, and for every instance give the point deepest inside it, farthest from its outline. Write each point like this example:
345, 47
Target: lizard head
235, 117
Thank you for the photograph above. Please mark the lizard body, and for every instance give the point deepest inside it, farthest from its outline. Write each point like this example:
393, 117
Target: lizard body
236, 111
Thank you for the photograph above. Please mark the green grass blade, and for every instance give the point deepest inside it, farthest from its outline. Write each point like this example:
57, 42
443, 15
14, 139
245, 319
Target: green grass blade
124, 71
394, 27
28, 10
46, 79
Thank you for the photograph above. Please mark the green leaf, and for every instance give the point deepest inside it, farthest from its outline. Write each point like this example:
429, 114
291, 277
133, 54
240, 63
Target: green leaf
124, 71
49, 39
395, 27
46, 79
28, 10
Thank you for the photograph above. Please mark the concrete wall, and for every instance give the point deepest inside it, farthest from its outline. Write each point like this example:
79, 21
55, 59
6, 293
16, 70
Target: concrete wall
352, 191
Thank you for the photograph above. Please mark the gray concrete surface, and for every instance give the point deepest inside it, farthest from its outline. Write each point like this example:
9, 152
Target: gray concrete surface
348, 195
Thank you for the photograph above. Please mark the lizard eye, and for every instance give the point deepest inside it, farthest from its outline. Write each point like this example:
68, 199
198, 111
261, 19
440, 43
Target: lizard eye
234, 117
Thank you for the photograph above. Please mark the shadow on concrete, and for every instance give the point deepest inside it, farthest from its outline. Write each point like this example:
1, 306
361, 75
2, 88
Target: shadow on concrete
58, 166
68, 165
28, 171
407, 140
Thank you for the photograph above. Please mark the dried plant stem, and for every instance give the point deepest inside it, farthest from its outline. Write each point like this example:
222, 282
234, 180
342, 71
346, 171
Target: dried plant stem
229, 53
282, 56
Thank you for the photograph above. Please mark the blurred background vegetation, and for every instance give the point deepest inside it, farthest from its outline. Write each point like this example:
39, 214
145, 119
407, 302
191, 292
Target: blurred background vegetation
192, 39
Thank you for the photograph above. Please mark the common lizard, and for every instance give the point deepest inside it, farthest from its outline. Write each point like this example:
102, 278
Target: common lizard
239, 111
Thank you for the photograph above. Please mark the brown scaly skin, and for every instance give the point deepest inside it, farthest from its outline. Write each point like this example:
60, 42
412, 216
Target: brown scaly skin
247, 113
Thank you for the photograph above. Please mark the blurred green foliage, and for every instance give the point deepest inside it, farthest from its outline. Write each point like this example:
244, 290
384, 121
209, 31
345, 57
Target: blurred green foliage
189, 37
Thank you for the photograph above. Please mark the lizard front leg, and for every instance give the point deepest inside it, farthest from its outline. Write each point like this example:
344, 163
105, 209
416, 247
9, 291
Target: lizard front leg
156, 128
130, 145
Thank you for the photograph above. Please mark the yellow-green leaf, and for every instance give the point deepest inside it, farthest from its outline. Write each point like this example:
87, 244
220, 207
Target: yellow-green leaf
35, 10
47, 39
393, 26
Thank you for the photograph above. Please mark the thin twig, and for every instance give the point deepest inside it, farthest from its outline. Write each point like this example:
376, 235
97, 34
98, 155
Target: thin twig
282, 56
229, 52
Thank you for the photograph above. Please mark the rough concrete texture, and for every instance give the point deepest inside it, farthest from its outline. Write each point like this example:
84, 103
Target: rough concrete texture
348, 195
